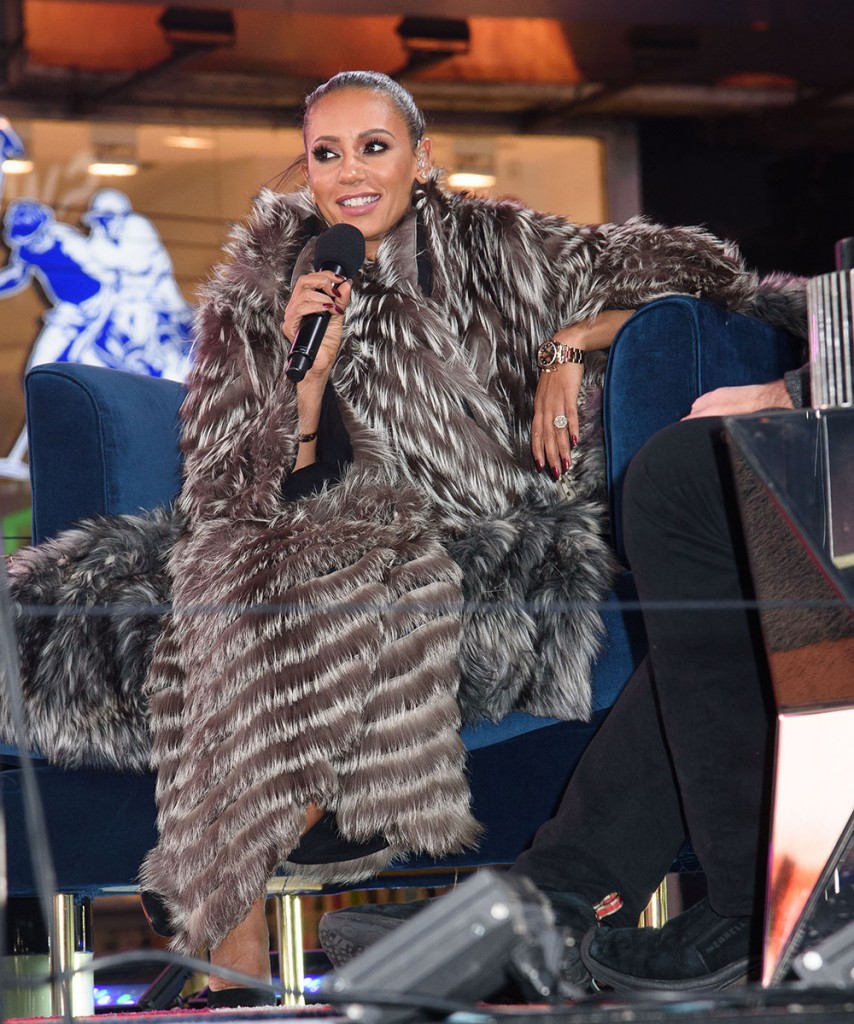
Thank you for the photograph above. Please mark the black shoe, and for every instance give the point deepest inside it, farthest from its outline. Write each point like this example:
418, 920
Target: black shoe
229, 998
324, 844
697, 951
346, 933
156, 913
574, 917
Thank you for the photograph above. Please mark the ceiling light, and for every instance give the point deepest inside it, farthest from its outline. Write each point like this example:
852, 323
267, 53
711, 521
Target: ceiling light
186, 26
12, 166
429, 41
188, 142
443, 36
114, 151
470, 179
113, 168
473, 165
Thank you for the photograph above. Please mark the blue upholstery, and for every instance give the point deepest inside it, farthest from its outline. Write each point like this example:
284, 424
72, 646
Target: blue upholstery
670, 352
102, 441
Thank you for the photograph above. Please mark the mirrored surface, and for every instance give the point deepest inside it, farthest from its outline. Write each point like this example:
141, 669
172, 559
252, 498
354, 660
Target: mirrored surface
806, 460
794, 474
795, 478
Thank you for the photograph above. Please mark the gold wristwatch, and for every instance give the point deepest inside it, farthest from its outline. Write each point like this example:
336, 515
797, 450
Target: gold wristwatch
552, 354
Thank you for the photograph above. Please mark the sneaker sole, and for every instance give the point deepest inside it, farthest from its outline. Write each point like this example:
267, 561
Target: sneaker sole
737, 973
346, 940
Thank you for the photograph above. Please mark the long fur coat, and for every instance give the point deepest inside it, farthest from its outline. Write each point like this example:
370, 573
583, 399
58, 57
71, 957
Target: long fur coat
325, 649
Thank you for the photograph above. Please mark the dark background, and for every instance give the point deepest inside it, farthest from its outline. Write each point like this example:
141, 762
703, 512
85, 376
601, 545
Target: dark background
786, 207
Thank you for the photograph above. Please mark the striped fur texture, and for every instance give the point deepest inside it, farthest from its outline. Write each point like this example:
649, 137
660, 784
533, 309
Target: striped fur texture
326, 650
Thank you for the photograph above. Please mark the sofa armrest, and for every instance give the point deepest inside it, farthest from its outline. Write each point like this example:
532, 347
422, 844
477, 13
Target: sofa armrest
664, 357
101, 442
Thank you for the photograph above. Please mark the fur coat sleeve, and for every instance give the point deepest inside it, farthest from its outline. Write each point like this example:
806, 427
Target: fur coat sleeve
238, 422
564, 273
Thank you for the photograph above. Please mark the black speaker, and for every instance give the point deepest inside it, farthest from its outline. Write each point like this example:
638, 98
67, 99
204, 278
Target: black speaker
466, 946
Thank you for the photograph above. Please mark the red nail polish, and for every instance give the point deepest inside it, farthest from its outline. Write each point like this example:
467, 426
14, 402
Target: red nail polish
555, 472
339, 309
566, 465
539, 466
329, 305
573, 441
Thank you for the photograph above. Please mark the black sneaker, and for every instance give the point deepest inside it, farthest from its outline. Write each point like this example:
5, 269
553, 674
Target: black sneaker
698, 951
574, 917
346, 933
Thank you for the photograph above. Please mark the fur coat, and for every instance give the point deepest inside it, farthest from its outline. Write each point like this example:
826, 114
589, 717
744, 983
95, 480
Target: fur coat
325, 649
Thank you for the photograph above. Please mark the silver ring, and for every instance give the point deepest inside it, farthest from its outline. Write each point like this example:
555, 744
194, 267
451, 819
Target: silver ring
560, 422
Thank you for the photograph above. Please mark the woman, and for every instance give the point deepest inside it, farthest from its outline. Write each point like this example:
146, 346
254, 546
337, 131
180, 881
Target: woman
356, 558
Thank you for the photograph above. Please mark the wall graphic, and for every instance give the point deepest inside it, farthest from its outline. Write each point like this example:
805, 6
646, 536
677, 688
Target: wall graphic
11, 146
111, 290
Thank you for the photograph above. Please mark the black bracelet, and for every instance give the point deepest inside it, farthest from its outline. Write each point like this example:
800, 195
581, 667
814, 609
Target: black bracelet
305, 438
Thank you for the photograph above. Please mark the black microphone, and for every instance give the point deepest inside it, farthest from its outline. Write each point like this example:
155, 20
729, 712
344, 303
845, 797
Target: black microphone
340, 249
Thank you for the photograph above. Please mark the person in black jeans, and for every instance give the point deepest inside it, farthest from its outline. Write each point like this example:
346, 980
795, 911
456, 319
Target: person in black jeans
685, 751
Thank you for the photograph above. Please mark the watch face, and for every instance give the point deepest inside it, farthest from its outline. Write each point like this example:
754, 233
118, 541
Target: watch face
547, 354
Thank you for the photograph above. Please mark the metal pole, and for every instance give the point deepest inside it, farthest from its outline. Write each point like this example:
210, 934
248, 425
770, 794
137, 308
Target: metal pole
289, 936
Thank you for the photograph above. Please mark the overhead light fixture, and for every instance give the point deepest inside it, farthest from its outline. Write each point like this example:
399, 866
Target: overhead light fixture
445, 37
429, 41
114, 149
113, 168
473, 167
470, 179
187, 141
197, 27
13, 166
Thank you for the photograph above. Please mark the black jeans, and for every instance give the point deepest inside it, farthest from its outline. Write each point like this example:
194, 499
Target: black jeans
685, 751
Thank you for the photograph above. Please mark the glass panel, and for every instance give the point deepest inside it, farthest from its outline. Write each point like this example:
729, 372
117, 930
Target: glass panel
794, 473
806, 461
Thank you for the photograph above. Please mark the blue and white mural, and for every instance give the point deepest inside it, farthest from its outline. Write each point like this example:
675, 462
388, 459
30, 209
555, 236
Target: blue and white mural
11, 147
111, 288
112, 292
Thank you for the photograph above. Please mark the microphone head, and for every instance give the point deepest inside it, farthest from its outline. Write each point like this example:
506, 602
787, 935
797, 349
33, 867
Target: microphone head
343, 245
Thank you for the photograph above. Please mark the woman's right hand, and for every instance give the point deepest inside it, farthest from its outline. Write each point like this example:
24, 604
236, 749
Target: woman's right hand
319, 292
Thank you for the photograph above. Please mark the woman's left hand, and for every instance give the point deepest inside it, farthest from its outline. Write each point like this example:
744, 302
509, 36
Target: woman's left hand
558, 391
556, 397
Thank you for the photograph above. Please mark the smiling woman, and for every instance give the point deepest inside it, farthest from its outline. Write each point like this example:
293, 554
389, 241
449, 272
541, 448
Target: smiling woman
377, 548
364, 175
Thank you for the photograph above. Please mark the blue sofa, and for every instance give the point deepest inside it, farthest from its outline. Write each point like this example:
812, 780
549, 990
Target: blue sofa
103, 442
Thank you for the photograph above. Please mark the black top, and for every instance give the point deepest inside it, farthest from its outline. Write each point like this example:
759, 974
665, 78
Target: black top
334, 453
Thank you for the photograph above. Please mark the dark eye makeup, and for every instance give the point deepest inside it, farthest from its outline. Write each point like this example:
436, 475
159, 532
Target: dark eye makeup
323, 153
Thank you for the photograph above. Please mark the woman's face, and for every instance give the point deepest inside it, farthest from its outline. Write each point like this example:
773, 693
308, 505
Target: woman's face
360, 162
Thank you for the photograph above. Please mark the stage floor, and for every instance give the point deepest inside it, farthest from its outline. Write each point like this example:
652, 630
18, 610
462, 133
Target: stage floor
750, 1003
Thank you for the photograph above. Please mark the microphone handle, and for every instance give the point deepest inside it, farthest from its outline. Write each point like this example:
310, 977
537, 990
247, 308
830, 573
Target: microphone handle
309, 336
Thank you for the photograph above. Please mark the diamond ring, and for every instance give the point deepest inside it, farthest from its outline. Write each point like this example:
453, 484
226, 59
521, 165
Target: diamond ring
560, 422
